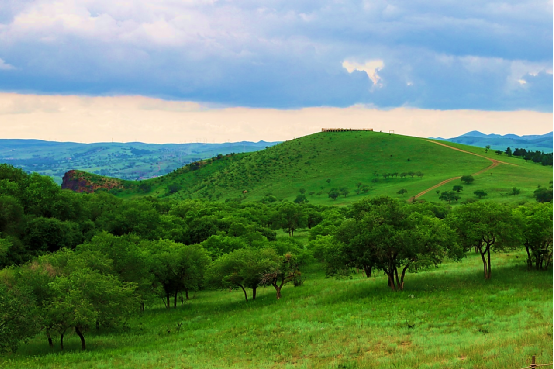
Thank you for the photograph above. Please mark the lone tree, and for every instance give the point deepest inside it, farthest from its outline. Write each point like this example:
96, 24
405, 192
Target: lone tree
334, 193
467, 179
485, 226
480, 193
344, 191
402, 191
457, 188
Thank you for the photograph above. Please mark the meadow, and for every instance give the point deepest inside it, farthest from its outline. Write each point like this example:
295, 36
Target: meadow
448, 317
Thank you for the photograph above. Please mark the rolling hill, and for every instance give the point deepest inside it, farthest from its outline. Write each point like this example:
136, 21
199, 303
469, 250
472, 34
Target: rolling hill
382, 163
129, 161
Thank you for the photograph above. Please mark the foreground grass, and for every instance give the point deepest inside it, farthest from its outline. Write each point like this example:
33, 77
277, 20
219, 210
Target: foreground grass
447, 318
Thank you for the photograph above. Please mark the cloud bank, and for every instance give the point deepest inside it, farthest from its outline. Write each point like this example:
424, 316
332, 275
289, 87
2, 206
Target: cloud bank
138, 118
489, 55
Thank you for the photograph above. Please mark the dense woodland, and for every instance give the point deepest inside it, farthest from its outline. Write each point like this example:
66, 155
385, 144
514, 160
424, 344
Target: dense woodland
73, 262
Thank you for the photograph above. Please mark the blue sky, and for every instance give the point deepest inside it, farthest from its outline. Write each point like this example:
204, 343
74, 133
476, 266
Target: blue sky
426, 54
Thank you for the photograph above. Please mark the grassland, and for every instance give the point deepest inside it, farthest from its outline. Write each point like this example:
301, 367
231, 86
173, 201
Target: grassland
349, 158
449, 317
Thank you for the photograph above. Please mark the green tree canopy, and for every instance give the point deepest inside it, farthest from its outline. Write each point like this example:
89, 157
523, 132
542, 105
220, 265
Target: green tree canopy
242, 268
535, 221
485, 226
467, 179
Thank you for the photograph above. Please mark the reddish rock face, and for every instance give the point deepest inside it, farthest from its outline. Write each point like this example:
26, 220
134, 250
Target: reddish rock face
76, 181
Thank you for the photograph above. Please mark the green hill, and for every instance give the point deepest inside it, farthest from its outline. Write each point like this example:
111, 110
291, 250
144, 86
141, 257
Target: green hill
351, 160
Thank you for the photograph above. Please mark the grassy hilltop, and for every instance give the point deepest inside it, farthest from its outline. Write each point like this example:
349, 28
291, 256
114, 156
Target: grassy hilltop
351, 160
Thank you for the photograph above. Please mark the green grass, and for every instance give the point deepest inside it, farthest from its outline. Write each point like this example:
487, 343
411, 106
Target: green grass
459, 321
348, 158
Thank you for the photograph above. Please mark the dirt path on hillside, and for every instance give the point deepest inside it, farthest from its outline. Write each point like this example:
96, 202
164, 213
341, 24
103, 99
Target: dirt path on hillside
494, 163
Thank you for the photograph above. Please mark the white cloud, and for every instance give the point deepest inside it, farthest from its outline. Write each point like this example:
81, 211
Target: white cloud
5, 66
370, 67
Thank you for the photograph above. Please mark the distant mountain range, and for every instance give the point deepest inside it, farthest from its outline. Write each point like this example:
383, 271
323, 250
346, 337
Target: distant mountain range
130, 161
501, 142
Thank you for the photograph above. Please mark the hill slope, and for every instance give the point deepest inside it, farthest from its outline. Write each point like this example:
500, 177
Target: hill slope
129, 161
351, 160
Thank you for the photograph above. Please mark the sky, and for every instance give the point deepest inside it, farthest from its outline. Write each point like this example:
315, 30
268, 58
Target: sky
178, 71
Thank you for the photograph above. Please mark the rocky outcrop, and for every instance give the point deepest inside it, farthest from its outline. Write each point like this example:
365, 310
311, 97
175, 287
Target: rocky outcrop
79, 181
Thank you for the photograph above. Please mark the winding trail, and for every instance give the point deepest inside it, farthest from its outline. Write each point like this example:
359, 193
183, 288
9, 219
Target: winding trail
494, 163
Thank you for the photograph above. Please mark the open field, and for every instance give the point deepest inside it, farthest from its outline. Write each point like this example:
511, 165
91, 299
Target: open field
449, 317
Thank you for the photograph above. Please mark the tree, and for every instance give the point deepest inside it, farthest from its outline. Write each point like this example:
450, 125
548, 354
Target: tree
281, 272
334, 193
218, 245
487, 148
344, 191
291, 217
300, 199
480, 193
314, 217
242, 268
176, 268
173, 188
11, 215
485, 226
389, 236
449, 196
19, 319
535, 221
457, 188
77, 290
302, 191
543, 194
509, 151
84, 297
51, 234
467, 179
365, 189
402, 191
129, 262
